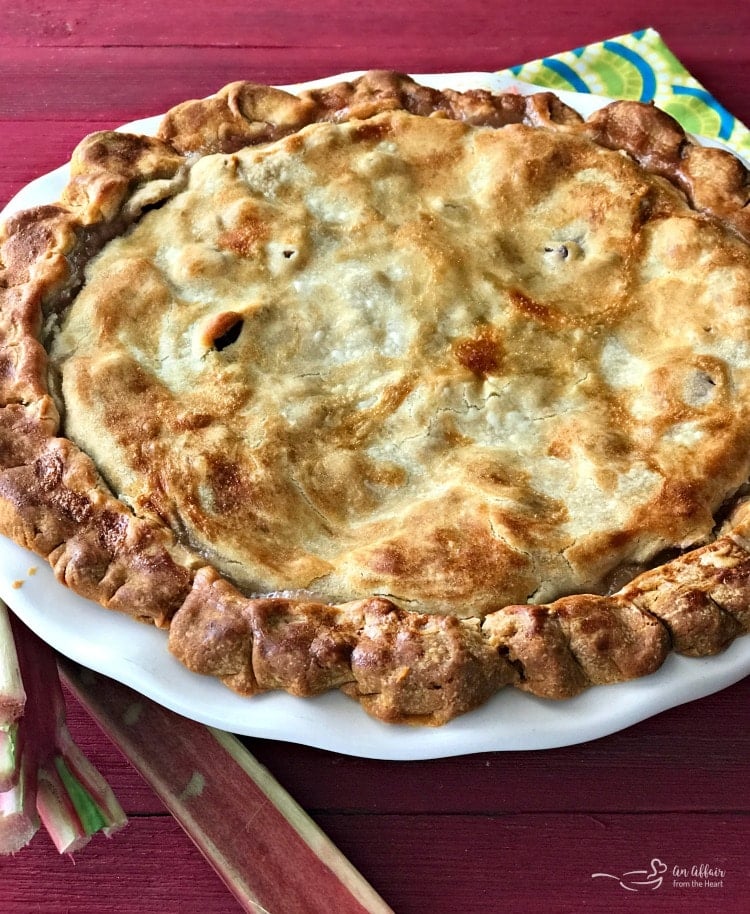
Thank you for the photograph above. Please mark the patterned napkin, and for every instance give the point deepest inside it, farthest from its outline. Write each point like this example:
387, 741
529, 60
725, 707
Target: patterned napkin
639, 66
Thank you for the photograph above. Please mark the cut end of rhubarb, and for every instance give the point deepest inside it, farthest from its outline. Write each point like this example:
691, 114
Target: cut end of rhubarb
16, 832
43, 774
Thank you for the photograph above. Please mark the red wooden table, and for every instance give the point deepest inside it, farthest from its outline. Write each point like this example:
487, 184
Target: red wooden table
516, 830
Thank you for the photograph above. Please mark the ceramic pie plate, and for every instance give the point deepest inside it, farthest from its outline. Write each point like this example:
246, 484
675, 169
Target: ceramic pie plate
136, 654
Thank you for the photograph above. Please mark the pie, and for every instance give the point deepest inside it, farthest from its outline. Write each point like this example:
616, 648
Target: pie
411, 393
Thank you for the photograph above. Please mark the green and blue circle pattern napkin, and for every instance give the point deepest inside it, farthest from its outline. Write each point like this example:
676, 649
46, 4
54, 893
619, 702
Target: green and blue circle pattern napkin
639, 66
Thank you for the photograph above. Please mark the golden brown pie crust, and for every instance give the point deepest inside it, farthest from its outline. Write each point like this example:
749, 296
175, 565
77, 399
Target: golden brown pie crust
469, 617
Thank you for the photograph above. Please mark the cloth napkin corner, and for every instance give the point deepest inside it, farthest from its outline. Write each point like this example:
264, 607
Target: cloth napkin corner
639, 66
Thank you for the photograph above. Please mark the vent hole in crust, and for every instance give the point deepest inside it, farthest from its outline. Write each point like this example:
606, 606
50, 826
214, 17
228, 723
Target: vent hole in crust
229, 336
700, 389
560, 251
157, 204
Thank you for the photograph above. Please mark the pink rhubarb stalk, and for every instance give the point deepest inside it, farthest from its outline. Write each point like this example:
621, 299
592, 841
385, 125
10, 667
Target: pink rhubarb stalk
46, 777
270, 854
18, 817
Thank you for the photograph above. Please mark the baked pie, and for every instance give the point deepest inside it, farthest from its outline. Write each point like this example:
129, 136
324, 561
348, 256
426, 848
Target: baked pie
411, 393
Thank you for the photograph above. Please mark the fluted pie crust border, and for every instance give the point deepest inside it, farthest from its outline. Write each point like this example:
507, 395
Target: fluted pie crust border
401, 666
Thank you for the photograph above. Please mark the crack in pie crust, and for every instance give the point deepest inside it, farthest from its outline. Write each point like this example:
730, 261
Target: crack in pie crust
458, 382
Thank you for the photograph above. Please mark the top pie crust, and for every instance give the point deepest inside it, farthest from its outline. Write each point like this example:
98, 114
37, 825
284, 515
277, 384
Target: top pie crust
458, 381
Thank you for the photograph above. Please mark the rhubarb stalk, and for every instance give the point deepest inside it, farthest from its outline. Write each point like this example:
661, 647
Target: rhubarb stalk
8, 756
268, 851
19, 820
18, 816
12, 693
43, 774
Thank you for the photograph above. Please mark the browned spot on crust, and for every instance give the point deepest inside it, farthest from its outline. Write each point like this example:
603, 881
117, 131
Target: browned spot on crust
537, 311
372, 131
482, 354
246, 238
230, 488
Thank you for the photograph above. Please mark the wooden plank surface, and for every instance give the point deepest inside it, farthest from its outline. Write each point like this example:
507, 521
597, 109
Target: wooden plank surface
467, 834
477, 834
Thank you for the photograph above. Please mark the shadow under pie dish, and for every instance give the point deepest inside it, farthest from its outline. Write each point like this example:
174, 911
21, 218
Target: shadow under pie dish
459, 379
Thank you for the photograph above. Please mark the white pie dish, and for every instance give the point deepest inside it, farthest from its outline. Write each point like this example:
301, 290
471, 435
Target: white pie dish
137, 655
